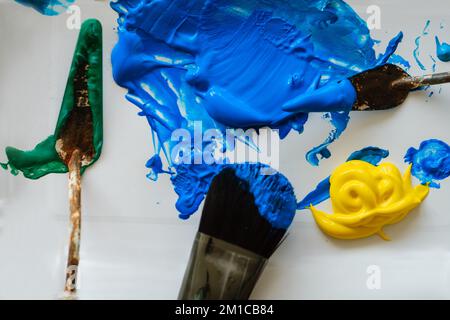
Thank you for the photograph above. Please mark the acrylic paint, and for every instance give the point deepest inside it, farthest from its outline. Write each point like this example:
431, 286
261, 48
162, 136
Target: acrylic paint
235, 64
366, 198
442, 50
44, 159
431, 162
372, 155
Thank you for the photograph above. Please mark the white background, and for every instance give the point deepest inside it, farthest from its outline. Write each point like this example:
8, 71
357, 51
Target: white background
133, 244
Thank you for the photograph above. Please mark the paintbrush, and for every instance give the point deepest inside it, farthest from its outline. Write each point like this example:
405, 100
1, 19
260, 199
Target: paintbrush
234, 240
388, 86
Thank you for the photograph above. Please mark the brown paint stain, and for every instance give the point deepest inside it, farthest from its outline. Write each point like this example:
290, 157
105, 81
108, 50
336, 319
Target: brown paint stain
375, 91
77, 132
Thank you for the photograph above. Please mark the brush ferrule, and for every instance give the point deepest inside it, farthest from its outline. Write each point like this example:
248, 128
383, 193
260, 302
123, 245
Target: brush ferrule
218, 270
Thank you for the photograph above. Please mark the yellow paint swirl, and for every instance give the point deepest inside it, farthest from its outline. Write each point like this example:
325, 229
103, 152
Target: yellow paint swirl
366, 198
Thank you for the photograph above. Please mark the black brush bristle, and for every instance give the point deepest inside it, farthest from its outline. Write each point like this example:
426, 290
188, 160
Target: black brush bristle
230, 214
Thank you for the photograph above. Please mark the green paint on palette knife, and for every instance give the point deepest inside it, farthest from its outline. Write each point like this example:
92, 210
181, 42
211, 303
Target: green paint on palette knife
44, 159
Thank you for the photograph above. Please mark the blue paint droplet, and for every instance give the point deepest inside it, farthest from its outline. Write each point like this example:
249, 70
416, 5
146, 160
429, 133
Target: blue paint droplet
442, 50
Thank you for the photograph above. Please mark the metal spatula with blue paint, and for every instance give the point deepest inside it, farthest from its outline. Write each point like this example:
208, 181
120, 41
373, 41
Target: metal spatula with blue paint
381, 88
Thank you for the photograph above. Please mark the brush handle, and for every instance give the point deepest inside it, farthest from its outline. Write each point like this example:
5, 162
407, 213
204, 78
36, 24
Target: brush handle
218, 270
417, 82
73, 257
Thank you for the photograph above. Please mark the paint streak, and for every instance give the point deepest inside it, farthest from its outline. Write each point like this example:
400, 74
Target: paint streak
234, 64
431, 162
44, 159
442, 50
47, 7
416, 52
372, 155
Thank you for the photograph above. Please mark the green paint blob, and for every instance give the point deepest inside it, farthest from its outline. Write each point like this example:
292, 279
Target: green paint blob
44, 159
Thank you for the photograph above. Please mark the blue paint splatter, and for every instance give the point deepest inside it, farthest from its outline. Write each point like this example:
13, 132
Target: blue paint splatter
339, 120
416, 52
433, 66
321, 193
274, 195
430, 162
156, 167
442, 50
235, 64
47, 7
399, 60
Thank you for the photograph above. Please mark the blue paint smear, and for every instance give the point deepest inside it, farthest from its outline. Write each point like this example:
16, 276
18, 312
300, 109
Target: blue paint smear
240, 64
433, 67
318, 195
372, 155
430, 162
274, 195
400, 61
442, 50
47, 7
391, 57
391, 48
416, 52
321, 193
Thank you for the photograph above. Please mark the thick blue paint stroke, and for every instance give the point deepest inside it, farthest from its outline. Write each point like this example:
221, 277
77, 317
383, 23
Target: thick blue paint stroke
47, 7
442, 50
321, 193
240, 64
391, 48
391, 57
430, 162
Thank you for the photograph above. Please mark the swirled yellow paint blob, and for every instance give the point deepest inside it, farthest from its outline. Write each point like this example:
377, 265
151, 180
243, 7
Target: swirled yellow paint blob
365, 198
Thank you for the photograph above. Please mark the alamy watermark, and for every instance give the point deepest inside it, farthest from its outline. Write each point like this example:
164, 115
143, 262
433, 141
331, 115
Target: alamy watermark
213, 146
374, 19
73, 22
374, 280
